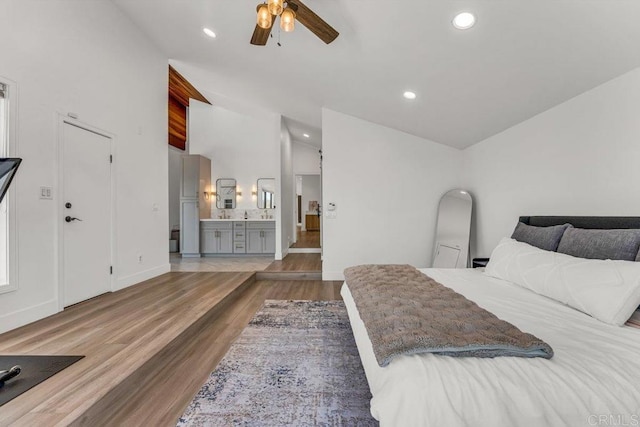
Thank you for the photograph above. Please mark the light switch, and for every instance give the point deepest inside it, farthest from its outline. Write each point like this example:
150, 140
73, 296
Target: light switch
46, 193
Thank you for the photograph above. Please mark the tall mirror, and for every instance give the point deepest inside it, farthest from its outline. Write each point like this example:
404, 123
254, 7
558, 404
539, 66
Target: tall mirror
266, 193
226, 193
453, 230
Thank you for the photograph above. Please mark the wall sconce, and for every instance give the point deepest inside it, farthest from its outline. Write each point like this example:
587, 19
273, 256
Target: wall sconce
238, 192
254, 193
206, 195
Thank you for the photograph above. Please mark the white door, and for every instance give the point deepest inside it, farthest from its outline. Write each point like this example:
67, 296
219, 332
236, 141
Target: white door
86, 219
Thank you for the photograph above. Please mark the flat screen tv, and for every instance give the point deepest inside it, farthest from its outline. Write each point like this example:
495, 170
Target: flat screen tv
8, 168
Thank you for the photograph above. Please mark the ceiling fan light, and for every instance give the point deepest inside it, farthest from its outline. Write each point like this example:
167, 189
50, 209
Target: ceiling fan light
264, 17
275, 6
287, 20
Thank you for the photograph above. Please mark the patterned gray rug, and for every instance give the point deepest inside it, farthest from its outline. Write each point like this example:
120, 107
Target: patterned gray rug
296, 364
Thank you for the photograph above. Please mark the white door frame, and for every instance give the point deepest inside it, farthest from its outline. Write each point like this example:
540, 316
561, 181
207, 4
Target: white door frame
60, 211
295, 222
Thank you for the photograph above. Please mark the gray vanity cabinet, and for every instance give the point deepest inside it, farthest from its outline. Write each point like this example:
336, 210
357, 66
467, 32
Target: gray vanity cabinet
216, 238
239, 237
195, 184
261, 237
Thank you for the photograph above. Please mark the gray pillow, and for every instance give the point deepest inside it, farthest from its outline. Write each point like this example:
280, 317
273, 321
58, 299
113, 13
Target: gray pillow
546, 238
601, 244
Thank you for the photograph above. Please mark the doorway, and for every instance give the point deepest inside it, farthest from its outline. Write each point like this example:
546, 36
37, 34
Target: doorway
86, 213
308, 213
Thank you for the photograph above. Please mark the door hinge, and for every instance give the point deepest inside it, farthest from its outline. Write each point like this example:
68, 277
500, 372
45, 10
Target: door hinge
110, 158
110, 269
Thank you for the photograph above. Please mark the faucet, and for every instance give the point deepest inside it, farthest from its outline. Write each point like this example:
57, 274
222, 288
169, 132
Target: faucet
266, 215
224, 214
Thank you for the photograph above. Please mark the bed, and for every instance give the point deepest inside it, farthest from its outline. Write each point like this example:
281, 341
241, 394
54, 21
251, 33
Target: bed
593, 378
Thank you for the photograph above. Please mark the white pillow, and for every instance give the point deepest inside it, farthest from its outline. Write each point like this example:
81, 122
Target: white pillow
605, 289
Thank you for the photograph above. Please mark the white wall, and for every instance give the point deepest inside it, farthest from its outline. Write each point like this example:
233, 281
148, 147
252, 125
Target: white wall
579, 158
386, 185
286, 192
89, 59
241, 146
306, 159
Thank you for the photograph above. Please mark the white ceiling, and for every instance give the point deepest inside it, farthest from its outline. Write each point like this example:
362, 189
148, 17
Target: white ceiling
522, 58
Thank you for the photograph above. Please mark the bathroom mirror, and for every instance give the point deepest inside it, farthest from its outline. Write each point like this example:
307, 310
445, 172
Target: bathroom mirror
453, 230
226, 193
266, 193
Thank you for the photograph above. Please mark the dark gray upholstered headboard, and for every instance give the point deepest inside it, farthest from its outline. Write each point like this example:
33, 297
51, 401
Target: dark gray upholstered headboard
590, 222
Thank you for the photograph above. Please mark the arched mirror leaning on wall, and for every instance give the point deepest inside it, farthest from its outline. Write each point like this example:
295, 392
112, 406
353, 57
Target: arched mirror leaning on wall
226, 193
453, 230
266, 193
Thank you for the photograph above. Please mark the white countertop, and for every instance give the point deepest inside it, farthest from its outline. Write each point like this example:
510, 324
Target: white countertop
237, 219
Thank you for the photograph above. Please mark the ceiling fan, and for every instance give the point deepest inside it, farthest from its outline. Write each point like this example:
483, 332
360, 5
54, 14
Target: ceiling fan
288, 13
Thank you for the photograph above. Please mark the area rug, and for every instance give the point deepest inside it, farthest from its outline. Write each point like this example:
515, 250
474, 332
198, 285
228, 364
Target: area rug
35, 369
296, 364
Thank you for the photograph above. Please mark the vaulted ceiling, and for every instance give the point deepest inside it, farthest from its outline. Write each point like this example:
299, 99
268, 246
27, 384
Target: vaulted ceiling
521, 58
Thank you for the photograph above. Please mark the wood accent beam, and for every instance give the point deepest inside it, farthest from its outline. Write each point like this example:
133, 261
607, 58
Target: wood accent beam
180, 92
177, 124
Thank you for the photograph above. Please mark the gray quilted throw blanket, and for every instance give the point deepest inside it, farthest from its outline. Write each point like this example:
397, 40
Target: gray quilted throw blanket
407, 312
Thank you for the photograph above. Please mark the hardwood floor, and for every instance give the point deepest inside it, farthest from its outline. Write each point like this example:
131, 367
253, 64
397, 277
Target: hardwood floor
297, 262
140, 367
307, 239
118, 333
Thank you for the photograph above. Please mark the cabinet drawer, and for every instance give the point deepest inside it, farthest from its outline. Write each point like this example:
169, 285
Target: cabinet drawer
215, 225
261, 225
237, 225
239, 234
239, 248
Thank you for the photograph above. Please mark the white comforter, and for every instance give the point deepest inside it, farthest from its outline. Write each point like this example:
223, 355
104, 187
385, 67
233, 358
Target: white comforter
592, 380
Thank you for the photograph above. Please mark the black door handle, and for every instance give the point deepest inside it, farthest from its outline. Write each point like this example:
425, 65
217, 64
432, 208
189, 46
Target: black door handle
70, 218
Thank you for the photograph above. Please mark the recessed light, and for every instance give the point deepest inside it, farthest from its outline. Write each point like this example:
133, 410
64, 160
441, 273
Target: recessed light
409, 95
306, 135
464, 20
209, 33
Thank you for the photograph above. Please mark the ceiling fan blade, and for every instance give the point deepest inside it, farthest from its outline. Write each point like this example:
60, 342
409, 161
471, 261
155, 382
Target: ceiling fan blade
260, 36
313, 22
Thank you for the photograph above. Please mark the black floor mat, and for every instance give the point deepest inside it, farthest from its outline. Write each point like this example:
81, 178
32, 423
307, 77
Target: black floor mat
35, 369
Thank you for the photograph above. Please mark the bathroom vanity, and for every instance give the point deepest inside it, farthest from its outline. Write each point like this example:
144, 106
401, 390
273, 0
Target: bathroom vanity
237, 236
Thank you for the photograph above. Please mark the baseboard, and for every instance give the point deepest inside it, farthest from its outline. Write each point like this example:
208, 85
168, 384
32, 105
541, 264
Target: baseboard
28, 315
333, 275
125, 282
305, 250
